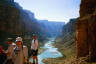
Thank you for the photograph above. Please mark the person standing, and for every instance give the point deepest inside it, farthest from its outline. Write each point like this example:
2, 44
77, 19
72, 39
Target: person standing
20, 52
34, 49
9, 51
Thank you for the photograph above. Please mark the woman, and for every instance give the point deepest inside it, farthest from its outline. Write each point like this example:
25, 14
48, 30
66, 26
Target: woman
20, 52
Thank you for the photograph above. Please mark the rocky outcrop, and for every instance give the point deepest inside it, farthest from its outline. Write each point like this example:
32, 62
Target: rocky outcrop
87, 7
86, 30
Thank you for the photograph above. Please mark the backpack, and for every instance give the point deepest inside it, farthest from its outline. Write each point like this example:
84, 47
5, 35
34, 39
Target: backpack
3, 56
16, 50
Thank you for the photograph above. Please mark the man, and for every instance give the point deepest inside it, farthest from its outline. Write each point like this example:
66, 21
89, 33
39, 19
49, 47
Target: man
34, 49
9, 51
20, 52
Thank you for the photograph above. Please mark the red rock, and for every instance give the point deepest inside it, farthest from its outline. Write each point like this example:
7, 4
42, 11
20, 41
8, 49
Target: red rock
86, 30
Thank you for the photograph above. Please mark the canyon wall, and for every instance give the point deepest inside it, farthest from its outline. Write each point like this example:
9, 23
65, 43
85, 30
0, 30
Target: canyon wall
86, 30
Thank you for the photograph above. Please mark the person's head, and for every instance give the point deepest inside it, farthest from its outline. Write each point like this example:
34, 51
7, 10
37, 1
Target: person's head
19, 41
9, 41
34, 37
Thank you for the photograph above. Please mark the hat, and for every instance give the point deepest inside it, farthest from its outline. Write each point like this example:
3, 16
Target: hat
18, 39
13, 44
9, 39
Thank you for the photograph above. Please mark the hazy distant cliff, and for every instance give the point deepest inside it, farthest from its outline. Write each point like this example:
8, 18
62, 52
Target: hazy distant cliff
69, 27
51, 27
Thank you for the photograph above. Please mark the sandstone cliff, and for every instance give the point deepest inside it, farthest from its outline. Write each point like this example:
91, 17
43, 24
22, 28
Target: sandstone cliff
14, 21
86, 30
9, 18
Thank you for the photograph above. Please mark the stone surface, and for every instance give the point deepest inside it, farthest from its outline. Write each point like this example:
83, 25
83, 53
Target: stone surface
86, 30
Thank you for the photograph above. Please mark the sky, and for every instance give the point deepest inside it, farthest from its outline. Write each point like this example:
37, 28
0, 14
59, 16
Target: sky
52, 10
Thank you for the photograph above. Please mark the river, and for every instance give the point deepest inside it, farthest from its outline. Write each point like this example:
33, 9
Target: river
50, 52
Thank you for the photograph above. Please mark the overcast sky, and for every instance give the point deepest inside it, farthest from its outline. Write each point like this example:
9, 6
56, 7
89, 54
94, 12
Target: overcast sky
52, 10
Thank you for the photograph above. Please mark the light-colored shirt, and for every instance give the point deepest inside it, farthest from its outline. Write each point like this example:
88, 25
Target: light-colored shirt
10, 51
34, 44
19, 57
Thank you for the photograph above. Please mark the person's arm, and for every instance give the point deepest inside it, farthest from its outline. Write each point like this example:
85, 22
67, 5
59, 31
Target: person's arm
9, 51
36, 44
32, 43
